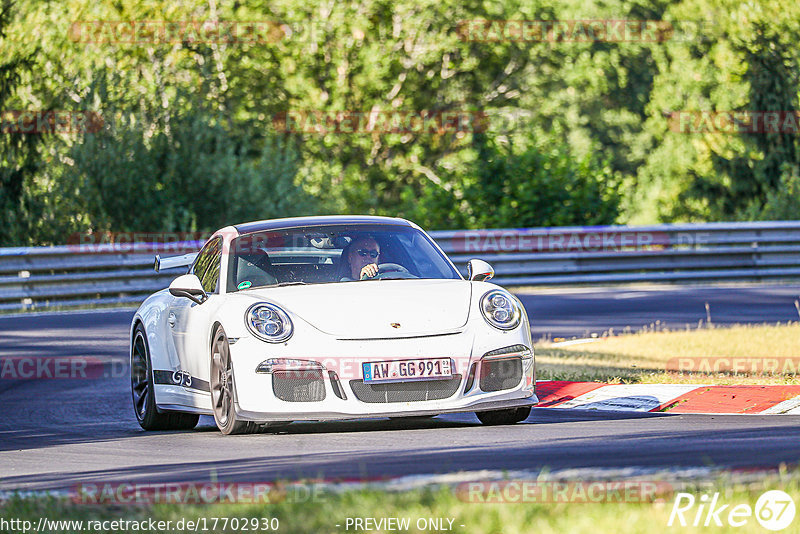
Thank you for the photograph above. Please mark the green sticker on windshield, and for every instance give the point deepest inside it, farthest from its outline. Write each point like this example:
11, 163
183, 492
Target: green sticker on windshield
244, 285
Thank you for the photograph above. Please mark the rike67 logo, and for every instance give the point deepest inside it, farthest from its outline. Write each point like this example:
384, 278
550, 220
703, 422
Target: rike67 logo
774, 510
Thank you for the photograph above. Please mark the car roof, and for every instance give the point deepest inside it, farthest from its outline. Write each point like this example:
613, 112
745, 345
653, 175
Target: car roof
296, 222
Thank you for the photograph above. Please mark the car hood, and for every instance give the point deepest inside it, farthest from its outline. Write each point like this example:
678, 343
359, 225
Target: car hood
377, 309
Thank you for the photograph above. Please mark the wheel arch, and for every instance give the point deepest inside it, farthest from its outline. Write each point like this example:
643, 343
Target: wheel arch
212, 331
137, 321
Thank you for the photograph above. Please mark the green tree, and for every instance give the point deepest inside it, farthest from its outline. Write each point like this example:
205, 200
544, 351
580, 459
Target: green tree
744, 58
19, 151
540, 184
740, 180
196, 175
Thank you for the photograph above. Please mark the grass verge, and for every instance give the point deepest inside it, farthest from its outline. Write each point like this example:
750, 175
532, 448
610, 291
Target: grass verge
442, 503
761, 354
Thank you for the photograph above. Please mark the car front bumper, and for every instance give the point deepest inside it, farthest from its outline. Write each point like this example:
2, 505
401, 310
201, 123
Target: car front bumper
342, 396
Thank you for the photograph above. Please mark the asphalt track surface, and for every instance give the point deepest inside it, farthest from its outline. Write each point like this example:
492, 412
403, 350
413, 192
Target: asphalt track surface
57, 433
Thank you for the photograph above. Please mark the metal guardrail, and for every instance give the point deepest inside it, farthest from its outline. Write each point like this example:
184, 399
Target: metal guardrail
36, 278
619, 254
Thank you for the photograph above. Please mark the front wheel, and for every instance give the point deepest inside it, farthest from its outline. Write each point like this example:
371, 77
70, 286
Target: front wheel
142, 390
223, 389
504, 417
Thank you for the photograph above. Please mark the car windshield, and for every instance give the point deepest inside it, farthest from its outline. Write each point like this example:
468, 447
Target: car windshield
333, 254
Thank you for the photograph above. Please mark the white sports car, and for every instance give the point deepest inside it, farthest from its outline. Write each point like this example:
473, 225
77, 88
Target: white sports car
319, 318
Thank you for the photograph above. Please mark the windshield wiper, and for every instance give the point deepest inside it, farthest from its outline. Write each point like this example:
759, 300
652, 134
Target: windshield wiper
282, 284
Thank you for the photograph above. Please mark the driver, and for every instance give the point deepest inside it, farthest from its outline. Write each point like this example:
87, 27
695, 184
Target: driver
362, 256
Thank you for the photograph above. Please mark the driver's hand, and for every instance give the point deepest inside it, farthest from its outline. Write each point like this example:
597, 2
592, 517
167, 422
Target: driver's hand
369, 271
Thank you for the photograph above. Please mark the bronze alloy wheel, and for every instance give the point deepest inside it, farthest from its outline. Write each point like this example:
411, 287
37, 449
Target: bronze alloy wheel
223, 389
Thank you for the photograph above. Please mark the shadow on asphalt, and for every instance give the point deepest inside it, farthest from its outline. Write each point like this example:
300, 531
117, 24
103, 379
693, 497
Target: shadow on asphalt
112, 420
570, 415
462, 420
660, 443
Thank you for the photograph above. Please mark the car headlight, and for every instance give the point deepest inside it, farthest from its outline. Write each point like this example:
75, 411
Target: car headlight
500, 310
269, 322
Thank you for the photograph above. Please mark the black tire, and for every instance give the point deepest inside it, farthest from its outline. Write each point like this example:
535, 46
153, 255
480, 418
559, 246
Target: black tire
144, 400
223, 389
504, 417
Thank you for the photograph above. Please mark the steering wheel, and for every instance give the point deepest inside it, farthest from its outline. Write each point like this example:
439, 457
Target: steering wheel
392, 270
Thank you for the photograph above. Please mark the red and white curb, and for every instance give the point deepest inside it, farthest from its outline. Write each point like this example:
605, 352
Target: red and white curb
670, 398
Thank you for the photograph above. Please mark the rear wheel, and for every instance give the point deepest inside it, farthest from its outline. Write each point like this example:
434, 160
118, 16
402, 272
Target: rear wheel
144, 400
223, 389
504, 417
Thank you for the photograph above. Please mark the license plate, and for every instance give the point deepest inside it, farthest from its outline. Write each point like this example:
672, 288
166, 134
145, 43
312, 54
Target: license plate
407, 370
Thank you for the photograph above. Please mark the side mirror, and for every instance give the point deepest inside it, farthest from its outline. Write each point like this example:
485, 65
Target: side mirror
479, 270
188, 286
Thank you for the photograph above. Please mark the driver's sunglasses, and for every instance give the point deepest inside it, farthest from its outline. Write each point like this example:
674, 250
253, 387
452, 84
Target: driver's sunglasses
366, 252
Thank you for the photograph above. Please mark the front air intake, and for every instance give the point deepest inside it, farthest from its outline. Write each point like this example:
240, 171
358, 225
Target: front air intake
498, 374
299, 385
423, 390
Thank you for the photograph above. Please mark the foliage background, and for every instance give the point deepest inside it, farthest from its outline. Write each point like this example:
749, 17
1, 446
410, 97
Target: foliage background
578, 131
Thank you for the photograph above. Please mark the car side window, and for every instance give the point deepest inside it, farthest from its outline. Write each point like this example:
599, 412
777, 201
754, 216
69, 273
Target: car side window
207, 265
201, 262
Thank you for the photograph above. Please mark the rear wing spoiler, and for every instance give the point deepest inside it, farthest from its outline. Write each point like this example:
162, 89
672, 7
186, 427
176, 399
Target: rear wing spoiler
173, 262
